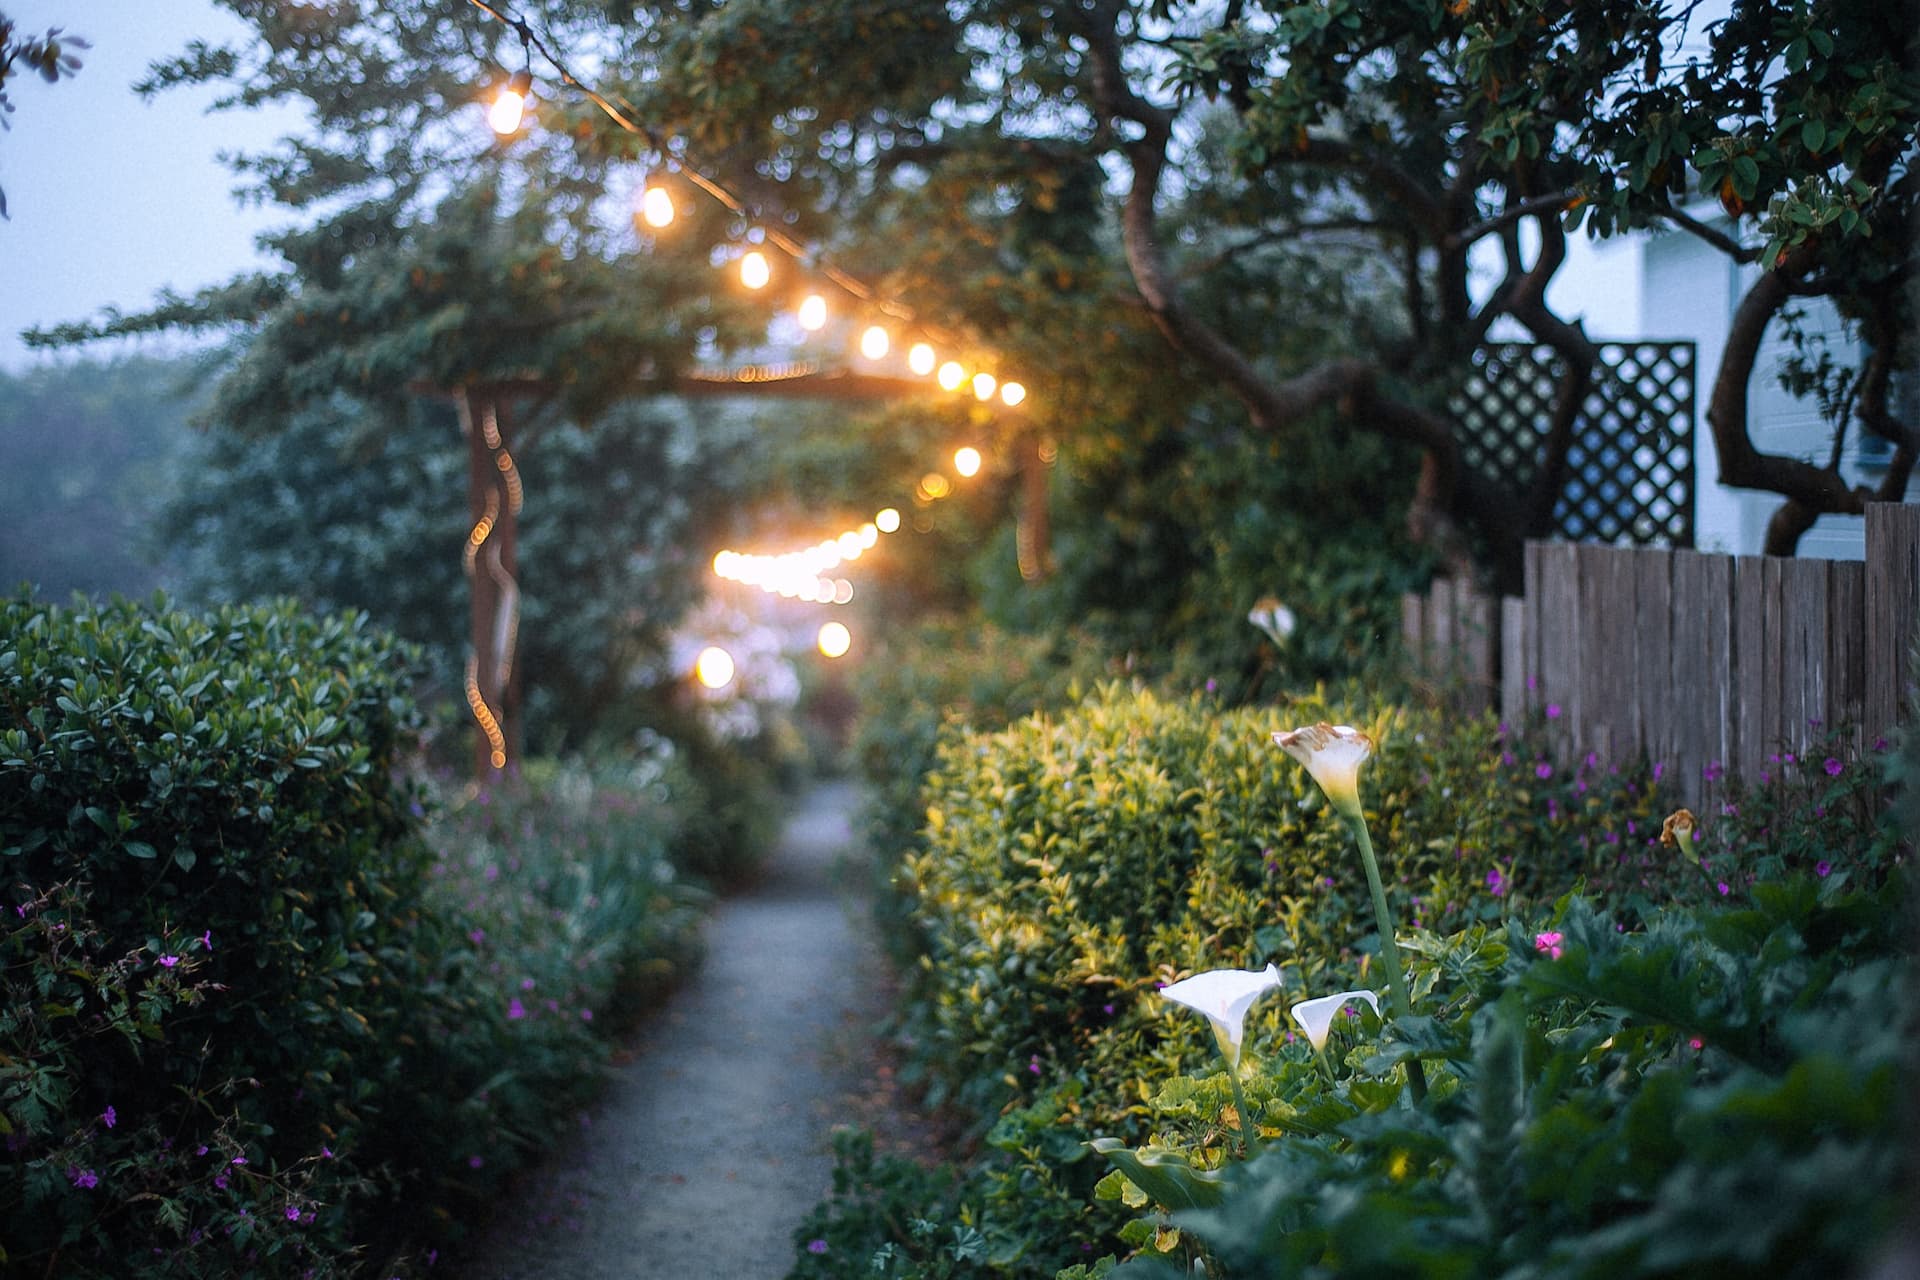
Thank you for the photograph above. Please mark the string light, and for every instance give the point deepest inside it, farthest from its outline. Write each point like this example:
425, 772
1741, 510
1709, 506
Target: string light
887, 520
813, 312
1012, 393
714, 667
920, 359
656, 207
983, 385
966, 460
874, 342
510, 105
834, 639
755, 270
951, 376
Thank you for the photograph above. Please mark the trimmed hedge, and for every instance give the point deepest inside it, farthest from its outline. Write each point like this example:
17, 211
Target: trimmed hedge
213, 880
257, 1016
1071, 864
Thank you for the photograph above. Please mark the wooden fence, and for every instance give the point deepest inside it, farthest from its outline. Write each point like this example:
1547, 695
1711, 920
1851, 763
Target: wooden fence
1710, 664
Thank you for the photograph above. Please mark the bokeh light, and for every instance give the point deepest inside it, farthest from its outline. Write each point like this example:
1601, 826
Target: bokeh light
714, 667
834, 639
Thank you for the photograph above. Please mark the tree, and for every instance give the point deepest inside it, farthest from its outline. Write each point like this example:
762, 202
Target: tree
1421, 132
50, 56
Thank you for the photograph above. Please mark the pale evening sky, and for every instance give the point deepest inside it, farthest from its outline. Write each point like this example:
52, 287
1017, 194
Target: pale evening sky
111, 198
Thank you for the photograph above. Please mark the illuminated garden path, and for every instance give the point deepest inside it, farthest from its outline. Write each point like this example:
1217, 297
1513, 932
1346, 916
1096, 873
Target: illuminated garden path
711, 1144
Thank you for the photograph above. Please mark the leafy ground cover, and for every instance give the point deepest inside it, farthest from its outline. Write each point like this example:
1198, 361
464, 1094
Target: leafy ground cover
1619, 1036
269, 1005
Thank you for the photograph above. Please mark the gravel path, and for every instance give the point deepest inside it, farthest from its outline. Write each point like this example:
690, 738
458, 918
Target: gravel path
712, 1143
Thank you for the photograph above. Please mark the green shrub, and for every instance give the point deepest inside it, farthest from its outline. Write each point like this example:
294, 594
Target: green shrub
262, 1012
946, 676
1074, 863
213, 881
1719, 1094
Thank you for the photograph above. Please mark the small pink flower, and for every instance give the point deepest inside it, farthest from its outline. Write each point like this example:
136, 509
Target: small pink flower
1696, 1044
167, 962
1549, 944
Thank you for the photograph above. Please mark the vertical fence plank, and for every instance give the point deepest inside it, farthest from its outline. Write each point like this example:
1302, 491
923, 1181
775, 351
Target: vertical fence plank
1804, 593
1413, 631
1513, 659
1651, 676
1478, 645
1534, 600
1560, 640
1442, 658
1719, 716
1892, 594
1751, 666
1846, 655
1589, 714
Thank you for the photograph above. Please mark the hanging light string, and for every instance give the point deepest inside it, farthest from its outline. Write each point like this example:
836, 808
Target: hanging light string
685, 165
795, 573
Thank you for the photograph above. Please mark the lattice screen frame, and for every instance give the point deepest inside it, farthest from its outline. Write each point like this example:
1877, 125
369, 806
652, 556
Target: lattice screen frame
1630, 471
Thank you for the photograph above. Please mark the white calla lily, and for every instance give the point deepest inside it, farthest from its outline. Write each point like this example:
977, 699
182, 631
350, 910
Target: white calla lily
1316, 1016
1224, 996
1272, 617
1333, 754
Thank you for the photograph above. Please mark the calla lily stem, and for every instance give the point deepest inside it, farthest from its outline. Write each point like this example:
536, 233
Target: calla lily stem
1249, 1141
1389, 947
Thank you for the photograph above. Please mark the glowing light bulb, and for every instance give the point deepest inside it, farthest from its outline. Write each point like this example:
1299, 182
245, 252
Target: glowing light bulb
842, 591
869, 534
1013, 393
813, 312
951, 375
874, 342
510, 106
714, 667
966, 460
935, 485
920, 359
850, 546
887, 520
983, 385
835, 639
656, 207
755, 271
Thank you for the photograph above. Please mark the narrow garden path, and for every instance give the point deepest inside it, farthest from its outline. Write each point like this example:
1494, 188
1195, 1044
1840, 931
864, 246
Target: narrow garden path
712, 1144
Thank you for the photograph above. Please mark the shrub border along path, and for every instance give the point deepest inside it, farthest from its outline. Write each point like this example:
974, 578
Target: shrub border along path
712, 1143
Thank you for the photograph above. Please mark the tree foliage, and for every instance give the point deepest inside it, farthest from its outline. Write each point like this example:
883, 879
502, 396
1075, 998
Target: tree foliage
50, 57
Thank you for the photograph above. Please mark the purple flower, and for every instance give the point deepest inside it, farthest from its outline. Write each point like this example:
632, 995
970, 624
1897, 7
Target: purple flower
1033, 1064
1823, 868
515, 1009
86, 1178
1213, 685
167, 962
1834, 767
816, 1246
526, 984
475, 1162
1496, 883
110, 1116
1659, 767
586, 1015
293, 1214
1713, 771
477, 936
1553, 711
1723, 887
1543, 771
206, 939
220, 1181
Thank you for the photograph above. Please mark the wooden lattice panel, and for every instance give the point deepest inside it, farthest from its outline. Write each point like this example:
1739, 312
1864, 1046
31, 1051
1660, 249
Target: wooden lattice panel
1630, 471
